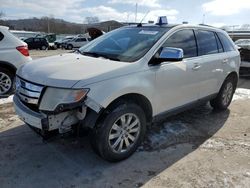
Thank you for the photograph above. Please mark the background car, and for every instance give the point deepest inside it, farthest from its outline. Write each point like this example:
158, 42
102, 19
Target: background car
37, 43
59, 42
245, 61
13, 53
76, 43
243, 43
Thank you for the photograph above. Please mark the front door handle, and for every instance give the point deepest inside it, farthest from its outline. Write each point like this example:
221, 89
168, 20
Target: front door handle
225, 61
196, 67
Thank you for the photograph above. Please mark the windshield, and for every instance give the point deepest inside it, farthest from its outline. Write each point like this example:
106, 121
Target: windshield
125, 44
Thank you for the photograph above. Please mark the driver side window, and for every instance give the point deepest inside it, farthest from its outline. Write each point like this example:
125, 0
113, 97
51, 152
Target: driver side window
185, 40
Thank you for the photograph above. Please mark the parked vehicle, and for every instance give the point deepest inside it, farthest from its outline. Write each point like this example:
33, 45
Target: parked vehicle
126, 79
37, 43
245, 61
13, 54
76, 42
59, 43
243, 43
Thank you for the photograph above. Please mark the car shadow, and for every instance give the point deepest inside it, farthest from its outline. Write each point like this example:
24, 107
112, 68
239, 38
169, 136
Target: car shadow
26, 160
244, 82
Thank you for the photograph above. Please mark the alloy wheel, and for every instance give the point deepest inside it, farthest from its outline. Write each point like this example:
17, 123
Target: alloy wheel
5, 83
124, 133
227, 93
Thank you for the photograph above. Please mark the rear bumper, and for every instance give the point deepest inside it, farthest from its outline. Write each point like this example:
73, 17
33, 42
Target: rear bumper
245, 68
245, 64
30, 117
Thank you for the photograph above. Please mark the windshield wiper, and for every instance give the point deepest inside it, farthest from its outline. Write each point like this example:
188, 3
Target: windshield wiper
94, 54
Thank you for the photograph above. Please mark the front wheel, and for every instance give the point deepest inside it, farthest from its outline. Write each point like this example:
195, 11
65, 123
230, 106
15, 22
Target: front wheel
43, 47
120, 132
6, 81
225, 96
69, 47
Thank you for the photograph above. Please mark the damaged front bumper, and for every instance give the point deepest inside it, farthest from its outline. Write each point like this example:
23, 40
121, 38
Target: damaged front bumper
48, 122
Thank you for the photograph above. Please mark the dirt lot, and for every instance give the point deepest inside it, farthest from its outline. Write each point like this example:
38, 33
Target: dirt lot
197, 148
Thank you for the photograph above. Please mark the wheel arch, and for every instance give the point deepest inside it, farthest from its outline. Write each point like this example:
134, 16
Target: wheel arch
8, 66
92, 117
234, 75
138, 99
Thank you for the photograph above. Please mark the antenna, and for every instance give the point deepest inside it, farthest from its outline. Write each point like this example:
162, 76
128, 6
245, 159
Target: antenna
203, 19
136, 5
145, 15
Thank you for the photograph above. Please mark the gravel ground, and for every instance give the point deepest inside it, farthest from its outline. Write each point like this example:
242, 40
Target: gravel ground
197, 148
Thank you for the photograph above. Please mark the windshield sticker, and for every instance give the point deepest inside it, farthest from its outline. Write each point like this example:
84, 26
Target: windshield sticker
144, 32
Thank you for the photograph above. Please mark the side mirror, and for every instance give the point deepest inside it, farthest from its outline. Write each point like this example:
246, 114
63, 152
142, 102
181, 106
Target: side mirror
169, 54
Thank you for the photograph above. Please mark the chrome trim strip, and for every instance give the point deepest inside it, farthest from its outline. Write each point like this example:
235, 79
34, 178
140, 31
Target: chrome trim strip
28, 100
29, 93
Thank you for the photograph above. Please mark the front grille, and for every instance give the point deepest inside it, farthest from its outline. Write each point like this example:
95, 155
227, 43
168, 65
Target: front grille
28, 92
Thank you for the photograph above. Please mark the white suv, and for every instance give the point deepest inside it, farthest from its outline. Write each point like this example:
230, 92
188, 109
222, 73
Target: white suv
127, 78
13, 53
76, 42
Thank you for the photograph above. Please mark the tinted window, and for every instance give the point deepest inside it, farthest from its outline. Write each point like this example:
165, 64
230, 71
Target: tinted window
227, 45
220, 47
185, 40
207, 43
29, 40
37, 40
1, 36
81, 40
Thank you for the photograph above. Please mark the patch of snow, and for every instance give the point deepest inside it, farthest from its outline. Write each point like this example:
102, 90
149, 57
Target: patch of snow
241, 93
6, 100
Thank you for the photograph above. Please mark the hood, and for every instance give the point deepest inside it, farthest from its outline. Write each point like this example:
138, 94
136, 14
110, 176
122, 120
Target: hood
67, 69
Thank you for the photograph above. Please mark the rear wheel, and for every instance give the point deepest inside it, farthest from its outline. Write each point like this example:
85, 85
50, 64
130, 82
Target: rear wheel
120, 132
6, 81
69, 47
43, 47
224, 98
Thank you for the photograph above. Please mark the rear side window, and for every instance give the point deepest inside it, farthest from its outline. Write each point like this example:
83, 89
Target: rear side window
185, 40
207, 43
220, 47
1, 36
227, 45
29, 40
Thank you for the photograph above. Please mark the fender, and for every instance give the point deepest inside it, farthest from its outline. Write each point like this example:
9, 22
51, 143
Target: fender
7, 65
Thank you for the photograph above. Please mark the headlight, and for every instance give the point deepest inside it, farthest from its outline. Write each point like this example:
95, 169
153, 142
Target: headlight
56, 96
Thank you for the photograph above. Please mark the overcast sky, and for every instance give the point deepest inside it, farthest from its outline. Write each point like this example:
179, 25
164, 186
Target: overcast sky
217, 12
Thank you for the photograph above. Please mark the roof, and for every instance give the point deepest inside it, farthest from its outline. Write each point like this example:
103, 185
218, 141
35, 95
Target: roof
169, 26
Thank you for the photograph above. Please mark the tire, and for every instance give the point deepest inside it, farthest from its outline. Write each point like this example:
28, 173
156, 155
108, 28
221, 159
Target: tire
43, 47
69, 47
6, 81
225, 95
106, 135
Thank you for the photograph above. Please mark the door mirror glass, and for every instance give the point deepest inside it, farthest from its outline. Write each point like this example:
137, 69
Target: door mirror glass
170, 54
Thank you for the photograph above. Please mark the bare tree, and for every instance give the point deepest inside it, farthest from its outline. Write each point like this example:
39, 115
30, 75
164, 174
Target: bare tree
91, 20
1, 14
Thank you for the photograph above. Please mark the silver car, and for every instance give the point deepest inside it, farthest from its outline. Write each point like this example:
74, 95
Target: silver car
126, 79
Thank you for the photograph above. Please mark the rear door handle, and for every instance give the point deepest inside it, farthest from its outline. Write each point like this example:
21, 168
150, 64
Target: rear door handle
196, 66
225, 61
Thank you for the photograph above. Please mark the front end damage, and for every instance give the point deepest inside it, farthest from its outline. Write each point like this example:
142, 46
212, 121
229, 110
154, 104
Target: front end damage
63, 121
39, 109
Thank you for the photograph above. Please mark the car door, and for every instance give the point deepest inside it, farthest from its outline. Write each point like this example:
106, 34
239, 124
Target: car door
81, 42
211, 69
37, 43
178, 83
30, 42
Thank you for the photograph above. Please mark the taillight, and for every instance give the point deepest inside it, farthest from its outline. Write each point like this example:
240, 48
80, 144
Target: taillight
23, 50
